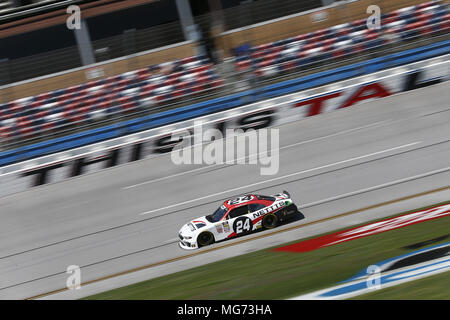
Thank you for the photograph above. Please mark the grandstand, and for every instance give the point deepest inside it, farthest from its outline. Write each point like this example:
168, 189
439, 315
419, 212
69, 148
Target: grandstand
187, 70
347, 39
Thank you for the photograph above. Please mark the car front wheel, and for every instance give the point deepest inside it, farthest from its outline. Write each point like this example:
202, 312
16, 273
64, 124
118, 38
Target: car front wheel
205, 239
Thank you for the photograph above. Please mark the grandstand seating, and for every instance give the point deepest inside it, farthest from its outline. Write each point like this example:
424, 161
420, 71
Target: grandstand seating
171, 81
343, 40
103, 98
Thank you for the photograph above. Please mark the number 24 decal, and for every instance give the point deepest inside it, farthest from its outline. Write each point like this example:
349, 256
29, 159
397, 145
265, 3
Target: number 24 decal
243, 224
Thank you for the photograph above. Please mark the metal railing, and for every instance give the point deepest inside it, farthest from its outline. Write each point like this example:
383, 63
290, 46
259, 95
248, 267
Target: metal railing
251, 12
41, 64
130, 42
134, 41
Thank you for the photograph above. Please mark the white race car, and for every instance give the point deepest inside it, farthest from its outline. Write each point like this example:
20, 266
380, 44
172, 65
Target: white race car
237, 217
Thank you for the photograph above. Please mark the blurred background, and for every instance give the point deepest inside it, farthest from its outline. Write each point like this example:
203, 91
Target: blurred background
135, 57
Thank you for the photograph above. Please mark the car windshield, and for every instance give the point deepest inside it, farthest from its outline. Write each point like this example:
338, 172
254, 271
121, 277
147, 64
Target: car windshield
218, 214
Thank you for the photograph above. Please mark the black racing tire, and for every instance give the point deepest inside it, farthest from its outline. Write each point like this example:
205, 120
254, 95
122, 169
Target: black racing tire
270, 221
205, 239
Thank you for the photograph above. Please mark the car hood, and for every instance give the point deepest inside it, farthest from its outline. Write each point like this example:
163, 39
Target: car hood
193, 226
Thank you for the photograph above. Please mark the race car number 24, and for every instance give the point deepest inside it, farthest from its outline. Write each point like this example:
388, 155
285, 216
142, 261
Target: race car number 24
242, 224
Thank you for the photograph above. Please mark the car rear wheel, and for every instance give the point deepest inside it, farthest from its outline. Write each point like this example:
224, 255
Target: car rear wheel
205, 239
270, 221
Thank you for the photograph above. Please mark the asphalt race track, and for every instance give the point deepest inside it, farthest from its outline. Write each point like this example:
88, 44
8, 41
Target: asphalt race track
390, 155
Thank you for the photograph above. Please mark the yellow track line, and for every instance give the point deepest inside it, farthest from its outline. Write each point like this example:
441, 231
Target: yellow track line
266, 234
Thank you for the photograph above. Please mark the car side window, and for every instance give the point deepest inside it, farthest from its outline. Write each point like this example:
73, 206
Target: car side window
256, 206
238, 212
